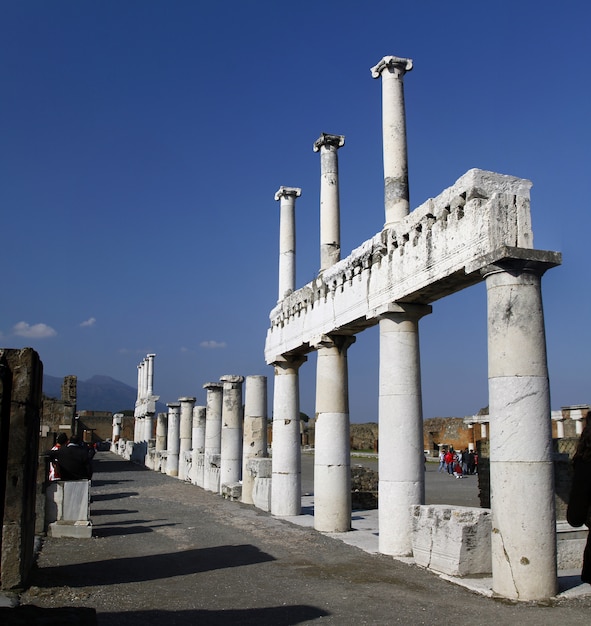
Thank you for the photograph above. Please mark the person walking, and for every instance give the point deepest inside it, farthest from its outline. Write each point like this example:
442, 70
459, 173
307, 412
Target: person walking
579, 503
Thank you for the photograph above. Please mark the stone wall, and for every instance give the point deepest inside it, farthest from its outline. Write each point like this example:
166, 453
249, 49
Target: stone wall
21, 375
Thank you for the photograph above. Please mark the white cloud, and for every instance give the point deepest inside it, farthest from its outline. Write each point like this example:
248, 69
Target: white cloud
89, 322
213, 345
36, 331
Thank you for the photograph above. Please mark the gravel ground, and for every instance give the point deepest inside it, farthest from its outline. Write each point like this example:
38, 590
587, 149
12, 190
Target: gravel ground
167, 552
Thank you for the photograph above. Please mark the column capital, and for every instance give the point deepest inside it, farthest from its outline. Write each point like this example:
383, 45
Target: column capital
187, 399
173, 405
231, 378
406, 309
536, 266
397, 65
213, 385
341, 342
285, 362
150, 356
286, 192
325, 139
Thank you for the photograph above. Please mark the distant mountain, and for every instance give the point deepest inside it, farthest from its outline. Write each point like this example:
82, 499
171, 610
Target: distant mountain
99, 393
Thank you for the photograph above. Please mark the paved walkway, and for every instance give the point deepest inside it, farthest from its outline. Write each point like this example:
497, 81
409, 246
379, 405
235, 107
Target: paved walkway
167, 552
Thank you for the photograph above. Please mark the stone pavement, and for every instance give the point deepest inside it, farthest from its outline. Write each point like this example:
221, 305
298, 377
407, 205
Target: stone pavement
167, 552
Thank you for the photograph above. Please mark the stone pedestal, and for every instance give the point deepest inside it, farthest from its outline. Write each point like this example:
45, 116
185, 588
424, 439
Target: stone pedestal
67, 509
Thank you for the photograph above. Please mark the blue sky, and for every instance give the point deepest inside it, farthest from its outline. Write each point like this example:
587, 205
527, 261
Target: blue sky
143, 142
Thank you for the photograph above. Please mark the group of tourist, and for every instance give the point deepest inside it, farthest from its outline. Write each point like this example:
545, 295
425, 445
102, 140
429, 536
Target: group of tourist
458, 463
70, 459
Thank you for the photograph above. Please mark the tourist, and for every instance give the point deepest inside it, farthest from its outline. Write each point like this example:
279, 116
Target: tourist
54, 469
441, 461
73, 460
471, 463
449, 461
579, 503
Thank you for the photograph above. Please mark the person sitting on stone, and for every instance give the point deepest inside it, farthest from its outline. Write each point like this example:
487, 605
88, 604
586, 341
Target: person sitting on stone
73, 461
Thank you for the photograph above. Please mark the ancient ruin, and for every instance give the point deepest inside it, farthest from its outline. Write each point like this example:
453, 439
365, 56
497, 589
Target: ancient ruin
479, 229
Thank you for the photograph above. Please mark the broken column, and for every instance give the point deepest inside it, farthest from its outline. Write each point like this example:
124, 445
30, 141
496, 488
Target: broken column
185, 435
521, 461
231, 442
213, 436
286, 491
401, 460
287, 239
254, 444
332, 456
117, 422
161, 431
330, 229
172, 439
396, 196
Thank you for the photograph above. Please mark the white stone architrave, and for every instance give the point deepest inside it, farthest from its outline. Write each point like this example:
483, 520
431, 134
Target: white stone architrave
448, 243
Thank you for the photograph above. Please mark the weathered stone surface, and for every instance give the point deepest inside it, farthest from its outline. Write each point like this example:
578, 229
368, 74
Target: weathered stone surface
452, 540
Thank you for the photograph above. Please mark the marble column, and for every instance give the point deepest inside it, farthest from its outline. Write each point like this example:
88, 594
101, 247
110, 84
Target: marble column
148, 426
483, 431
117, 422
231, 443
198, 445
213, 433
172, 439
330, 227
287, 239
185, 433
332, 450
521, 457
286, 490
150, 375
396, 196
161, 431
401, 461
254, 443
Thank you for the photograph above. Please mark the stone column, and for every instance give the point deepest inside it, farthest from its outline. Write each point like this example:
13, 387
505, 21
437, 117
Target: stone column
254, 443
172, 439
148, 426
185, 433
117, 421
161, 431
396, 197
150, 375
198, 434
521, 463
330, 228
483, 431
558, 417
213, 432
332, 455
287, 239
401, 461
198, 445
231, 449
286, 491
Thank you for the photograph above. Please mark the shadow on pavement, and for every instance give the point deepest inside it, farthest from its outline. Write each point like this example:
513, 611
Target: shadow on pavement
152, 567
270, 616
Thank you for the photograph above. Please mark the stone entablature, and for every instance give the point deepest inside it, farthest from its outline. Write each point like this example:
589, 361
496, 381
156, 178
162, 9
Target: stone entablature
438, 249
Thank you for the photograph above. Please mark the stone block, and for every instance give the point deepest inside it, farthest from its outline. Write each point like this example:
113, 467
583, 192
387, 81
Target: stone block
261, 493
232, 491
570, 543
259, 468
452, 540
77, 530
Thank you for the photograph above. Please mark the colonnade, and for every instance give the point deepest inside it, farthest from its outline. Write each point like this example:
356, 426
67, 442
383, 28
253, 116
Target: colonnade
522, 503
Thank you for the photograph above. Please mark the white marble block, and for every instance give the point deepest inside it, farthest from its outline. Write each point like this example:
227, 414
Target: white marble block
452, 540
